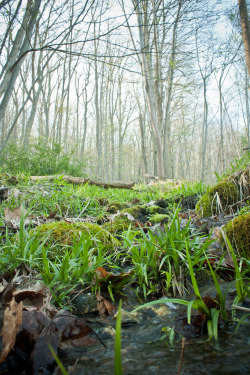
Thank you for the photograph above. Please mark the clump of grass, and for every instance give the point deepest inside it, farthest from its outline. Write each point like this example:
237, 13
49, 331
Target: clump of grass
163, 255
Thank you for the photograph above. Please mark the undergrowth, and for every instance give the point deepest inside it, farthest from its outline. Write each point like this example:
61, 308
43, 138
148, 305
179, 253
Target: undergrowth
160, 260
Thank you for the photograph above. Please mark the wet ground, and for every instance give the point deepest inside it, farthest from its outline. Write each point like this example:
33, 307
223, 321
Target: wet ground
144, 351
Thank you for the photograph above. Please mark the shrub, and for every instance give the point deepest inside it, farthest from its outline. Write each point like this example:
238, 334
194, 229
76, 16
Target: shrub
40, 159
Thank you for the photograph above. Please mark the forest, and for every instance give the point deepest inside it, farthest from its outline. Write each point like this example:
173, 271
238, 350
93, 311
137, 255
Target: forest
124, 187
126, 88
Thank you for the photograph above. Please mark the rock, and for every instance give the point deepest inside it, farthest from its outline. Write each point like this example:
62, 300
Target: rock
84, 304
128, 318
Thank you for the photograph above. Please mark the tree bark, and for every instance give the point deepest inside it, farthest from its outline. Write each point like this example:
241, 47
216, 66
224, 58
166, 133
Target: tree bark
13, 70
245, 31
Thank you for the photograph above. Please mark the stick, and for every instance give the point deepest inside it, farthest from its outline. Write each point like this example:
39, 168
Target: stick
241, 308
182, 355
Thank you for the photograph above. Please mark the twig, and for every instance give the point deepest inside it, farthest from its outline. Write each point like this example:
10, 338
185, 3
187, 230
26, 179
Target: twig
235, 204
182, 355
83, 210
241, 308
232, 205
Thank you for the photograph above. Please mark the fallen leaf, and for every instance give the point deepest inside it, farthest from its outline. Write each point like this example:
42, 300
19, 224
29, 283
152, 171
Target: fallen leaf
12, 321
14, 215
33, 323
7, 293
105, 306
32, 296
101, 273
42, 357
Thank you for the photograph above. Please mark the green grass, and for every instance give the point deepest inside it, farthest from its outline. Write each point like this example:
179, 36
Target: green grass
158, 259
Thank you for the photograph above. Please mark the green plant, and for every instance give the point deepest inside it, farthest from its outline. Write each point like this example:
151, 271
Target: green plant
56, 358
118, 357
143, 255
22, 248
236, 166
168, 335
242, 288
156, 255
40, 158
212, 314
76, 266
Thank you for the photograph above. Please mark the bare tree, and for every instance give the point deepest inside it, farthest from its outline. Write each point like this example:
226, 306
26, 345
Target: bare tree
245, 30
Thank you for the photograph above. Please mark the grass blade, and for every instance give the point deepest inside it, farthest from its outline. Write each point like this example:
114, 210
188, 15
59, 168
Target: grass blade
118, 356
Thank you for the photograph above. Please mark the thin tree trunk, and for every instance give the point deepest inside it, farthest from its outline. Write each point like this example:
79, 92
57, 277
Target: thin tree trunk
13, 70
245, 31
143, 147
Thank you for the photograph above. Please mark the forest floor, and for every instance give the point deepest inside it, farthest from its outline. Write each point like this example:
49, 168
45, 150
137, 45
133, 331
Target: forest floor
70, 253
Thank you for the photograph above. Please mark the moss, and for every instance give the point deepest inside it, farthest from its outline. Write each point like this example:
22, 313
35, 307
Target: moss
101, 219
238, 233
217, 198
204, 277
159, 218
62, 233
120, 223
151, 210
114, 207
135, 211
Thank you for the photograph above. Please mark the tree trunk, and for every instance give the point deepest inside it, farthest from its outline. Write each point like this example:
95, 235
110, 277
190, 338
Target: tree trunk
13, 70
245, 31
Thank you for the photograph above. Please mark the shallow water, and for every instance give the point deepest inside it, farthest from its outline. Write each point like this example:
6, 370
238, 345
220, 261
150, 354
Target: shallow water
143, 351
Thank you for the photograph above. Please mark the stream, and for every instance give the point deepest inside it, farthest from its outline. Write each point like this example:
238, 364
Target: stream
145, 352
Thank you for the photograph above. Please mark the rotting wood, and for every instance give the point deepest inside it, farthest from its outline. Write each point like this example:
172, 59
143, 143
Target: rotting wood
82, 181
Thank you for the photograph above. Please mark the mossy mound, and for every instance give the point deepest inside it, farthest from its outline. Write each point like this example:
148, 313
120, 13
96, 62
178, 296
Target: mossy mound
238, 233
138, 212
61, 233
128, 216
159, 218
153, 210
125, 218
119, 224
114, 207
217, 198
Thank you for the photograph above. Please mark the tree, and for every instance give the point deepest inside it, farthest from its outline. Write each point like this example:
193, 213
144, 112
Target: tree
245, 30
14, 61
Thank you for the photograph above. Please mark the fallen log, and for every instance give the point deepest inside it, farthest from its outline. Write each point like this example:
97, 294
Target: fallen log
82, 181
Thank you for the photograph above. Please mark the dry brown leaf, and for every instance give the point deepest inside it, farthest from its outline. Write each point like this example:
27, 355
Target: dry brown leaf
12, 321
101, 273
105, 306
14, 215
31, 297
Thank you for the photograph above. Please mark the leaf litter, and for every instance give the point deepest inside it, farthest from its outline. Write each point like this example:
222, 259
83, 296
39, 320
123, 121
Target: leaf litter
31, 323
